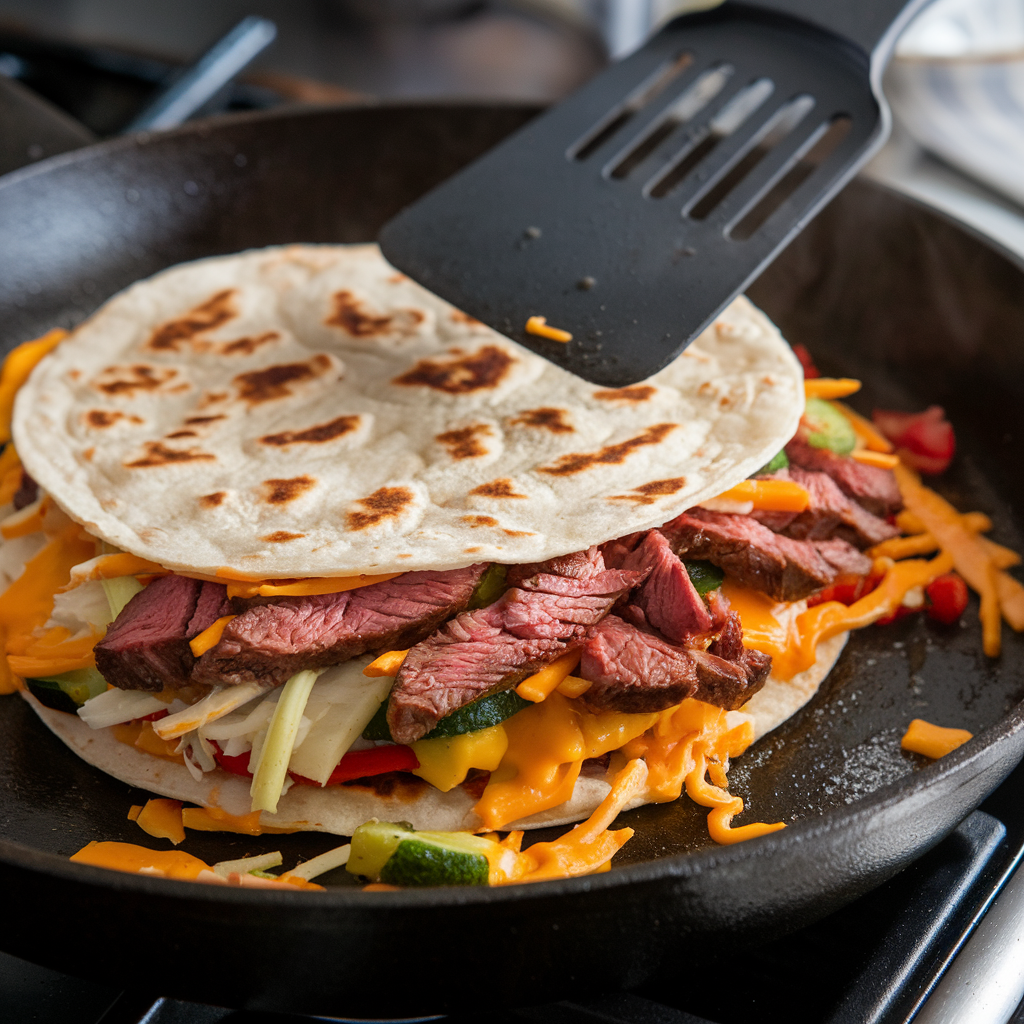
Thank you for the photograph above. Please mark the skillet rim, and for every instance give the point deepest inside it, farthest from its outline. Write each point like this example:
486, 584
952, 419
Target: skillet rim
679, 866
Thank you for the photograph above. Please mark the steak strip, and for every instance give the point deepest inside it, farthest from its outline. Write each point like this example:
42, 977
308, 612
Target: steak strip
829, 514
667, 599
633, 670
146, 646
781, 567
543, 617
274, 641
870, 486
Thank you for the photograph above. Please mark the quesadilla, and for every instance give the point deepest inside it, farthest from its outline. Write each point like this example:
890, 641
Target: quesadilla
298, 539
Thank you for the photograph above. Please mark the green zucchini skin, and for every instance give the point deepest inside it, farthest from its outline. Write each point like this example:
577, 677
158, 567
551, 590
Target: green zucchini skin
415, 863
481, 713
397, 854
828, 428
705, 576
68, 691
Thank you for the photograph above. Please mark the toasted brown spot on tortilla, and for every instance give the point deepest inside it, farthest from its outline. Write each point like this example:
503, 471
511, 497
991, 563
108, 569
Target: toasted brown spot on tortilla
158, 454
352, 317
480, 520
126, 380
645, 494
74, 374
282, 536
497, 489
397, 279
213, 500
181, 433
458, 317
397, 785
213, 397
100, 418
198, 421
280, 492
638, 393
610, 455
246, 346
314, 435
518, 533
472, 551
272, 381
209, 315
89, 454
463, 443
384, 503
478, 371
545, 418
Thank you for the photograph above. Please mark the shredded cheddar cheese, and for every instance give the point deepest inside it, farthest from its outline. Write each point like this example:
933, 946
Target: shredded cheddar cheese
109, 567
539, 325
933, 741
867, 433
770, 495
178, 865
214, 819
304, 588
867, 457
830, 387
210, 636
542, 684
999, 592
387, 664
20, 362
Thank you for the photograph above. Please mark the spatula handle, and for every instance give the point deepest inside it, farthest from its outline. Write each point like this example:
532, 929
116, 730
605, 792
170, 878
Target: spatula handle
872, 24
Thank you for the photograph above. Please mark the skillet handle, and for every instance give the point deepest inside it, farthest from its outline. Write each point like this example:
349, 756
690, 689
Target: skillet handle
32, 128
872, 24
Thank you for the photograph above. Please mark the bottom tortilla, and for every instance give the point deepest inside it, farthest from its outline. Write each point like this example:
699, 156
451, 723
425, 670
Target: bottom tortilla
341, 809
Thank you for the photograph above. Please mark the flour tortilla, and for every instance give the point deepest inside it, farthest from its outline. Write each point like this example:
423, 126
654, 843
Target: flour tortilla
341, 809
308, 411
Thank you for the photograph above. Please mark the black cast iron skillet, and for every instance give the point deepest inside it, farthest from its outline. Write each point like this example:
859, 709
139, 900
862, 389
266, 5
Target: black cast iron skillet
876, 287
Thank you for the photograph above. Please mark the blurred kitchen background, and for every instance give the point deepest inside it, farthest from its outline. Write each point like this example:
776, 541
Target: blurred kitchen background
956, 84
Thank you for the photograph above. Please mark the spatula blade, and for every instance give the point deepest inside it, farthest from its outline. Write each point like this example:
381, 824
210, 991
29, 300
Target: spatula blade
632, 213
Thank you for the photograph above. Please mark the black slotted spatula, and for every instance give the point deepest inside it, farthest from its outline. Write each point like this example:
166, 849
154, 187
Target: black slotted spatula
630, 214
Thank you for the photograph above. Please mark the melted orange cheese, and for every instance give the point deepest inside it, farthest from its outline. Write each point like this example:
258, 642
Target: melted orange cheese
770, 495
129, 857
161, 819
549, 742
791, 635
213, 819
933, 741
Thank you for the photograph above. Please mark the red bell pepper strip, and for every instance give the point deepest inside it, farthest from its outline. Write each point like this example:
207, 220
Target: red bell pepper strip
806, 361
356, 764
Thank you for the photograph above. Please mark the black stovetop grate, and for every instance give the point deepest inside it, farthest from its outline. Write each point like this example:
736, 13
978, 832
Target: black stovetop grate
872, 963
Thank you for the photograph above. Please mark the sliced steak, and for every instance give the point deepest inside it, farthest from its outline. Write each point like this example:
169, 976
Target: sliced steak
634, 671
667, 598
829, 514
212, 603
843, 557
274, 641
781, 567
146, 647
873, 488
494, 648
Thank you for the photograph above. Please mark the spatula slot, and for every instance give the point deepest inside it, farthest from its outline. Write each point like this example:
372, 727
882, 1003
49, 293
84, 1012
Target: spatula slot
728, 120
693, 100
782, 123
621, 114
814, 152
